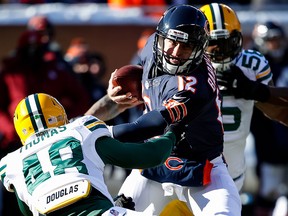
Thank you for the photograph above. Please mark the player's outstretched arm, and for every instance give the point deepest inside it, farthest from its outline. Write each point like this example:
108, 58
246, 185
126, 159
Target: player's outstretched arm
242, 87
105, 109
274, 112
278, 96
272, 101
136, 155
146, 126
112, 104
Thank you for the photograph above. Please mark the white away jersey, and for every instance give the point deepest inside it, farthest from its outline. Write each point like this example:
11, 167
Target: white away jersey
237, 113
57, 167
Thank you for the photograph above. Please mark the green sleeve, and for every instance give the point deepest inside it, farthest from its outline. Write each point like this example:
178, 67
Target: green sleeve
135, 155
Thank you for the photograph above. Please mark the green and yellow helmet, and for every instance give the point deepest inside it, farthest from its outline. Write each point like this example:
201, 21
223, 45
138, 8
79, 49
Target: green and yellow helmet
225, 32
36, 113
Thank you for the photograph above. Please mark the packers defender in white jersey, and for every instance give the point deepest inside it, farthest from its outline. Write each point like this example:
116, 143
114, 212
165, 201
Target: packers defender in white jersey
244, 77
59, 169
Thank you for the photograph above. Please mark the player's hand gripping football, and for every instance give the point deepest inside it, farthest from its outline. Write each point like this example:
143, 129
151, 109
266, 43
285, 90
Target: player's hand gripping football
126, 100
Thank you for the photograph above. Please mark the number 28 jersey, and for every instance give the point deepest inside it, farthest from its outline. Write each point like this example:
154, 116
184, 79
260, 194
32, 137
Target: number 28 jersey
58, 167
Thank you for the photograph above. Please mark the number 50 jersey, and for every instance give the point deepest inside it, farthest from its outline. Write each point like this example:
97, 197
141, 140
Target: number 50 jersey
237, 113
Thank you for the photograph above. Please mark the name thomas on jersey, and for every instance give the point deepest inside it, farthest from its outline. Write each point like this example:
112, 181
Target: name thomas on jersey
43, 135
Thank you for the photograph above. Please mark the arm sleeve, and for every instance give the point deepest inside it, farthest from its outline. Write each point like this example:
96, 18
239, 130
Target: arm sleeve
23, 207
146, 126
136, 155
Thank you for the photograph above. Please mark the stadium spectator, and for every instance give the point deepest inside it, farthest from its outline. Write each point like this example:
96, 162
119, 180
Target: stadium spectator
145, 34
44, 26
89, 67
33, 68
152, 8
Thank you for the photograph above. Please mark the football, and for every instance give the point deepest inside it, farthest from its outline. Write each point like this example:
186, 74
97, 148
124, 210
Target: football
129, 78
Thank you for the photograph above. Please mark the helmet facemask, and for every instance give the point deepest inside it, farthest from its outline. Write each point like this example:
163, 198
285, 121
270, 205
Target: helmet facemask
188, 27
228, 47
184, 66
225, 40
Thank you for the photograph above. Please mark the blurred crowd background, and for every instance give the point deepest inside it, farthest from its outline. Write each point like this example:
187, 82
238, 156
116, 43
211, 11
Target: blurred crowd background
69, 49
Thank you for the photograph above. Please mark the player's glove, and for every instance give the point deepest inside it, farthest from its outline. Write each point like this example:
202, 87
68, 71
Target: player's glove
242, 87
179, 129
225, 80
125, 202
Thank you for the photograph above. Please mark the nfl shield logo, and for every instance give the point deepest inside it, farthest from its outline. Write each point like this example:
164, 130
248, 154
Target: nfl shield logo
114, 212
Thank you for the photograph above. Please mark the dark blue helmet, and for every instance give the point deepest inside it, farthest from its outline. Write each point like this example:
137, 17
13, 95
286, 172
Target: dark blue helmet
186, 24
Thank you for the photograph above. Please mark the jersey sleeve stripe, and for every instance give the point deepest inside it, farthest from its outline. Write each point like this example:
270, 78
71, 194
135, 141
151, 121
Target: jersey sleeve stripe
3, 172
265, 76
177, 110
94, 124
170, 113
184, 108
266, 72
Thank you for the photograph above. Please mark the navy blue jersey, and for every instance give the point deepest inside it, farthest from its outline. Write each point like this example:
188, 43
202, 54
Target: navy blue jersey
194, 97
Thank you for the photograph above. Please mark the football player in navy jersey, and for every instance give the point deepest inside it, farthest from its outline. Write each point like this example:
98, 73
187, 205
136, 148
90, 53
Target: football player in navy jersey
179, 85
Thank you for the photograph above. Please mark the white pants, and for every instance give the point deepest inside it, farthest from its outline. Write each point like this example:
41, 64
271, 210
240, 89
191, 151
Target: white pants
220, 197
239, 182
119, 211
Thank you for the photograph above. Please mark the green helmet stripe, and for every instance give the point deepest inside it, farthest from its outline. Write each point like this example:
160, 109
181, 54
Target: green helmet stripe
217, 16
222, 17
40, 111
31, 114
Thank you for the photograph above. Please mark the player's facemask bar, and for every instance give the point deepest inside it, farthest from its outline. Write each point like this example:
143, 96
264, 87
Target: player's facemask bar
162, 59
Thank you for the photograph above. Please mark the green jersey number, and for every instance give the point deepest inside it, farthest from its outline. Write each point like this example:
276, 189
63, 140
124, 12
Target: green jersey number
251, 61
235, 113
63, 155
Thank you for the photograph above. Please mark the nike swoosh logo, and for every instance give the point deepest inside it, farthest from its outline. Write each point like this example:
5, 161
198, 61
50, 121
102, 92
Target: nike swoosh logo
178, 97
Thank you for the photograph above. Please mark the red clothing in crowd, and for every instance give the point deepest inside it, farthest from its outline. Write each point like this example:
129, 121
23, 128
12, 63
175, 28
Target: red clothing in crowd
22, 75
